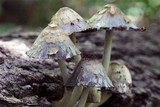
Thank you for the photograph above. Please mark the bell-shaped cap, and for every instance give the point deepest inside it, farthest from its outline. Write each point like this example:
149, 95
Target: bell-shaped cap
111, 17
69, 20
89, 73
120, 77
53, 42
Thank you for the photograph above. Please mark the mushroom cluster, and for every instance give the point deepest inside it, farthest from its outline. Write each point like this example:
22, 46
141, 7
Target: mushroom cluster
93, 81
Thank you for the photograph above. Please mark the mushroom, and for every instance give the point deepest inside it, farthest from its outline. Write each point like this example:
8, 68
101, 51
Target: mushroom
71, 22
110, 18
121, 79
54, 43
89, 73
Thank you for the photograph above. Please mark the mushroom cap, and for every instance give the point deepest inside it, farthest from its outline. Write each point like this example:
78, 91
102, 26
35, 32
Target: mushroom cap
120, 77
69, 20
111, 17
90, 73
53, 42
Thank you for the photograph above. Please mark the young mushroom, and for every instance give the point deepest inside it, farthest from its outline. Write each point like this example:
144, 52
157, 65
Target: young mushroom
53, 42
121, 79
88, 74
110, 18
71, 22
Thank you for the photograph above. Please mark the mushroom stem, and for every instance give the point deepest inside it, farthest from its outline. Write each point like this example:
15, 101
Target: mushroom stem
106, 62
96, 94
75, 96
65, 77
63, 69
77, 58
107, 50
63, 102
77, 90
105, 97
83, 98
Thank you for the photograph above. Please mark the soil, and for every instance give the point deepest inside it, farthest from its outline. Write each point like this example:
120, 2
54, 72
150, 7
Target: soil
26, 82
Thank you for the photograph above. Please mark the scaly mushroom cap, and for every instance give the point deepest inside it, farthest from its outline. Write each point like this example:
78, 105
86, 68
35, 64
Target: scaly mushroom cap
89, 73
111, 17
69, 21
53, 42
120, 77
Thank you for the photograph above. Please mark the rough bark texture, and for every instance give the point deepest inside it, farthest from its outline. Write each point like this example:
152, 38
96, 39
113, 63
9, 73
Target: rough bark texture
28, 82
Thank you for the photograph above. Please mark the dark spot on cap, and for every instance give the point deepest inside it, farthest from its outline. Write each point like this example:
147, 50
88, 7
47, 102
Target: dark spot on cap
78, 20
72, 24
119, 72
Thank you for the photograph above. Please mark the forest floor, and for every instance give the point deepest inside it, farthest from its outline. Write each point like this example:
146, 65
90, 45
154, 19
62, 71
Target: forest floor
26, 82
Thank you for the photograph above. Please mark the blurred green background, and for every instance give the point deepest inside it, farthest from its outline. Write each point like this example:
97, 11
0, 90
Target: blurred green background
37, 13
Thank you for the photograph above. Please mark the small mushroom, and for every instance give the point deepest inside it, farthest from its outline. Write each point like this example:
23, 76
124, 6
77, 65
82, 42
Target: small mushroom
54, 43
71, 22
120, 77
109, 18
89, 74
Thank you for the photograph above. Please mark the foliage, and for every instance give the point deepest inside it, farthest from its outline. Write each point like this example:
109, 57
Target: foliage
39, 12
43, 11
4, 27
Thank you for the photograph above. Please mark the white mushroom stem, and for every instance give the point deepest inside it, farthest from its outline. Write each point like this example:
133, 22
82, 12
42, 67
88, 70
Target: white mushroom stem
77, 90
64, 101
83, 98
105, 97
75, 96
65, 76
96, 94
107, 50
63, 68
